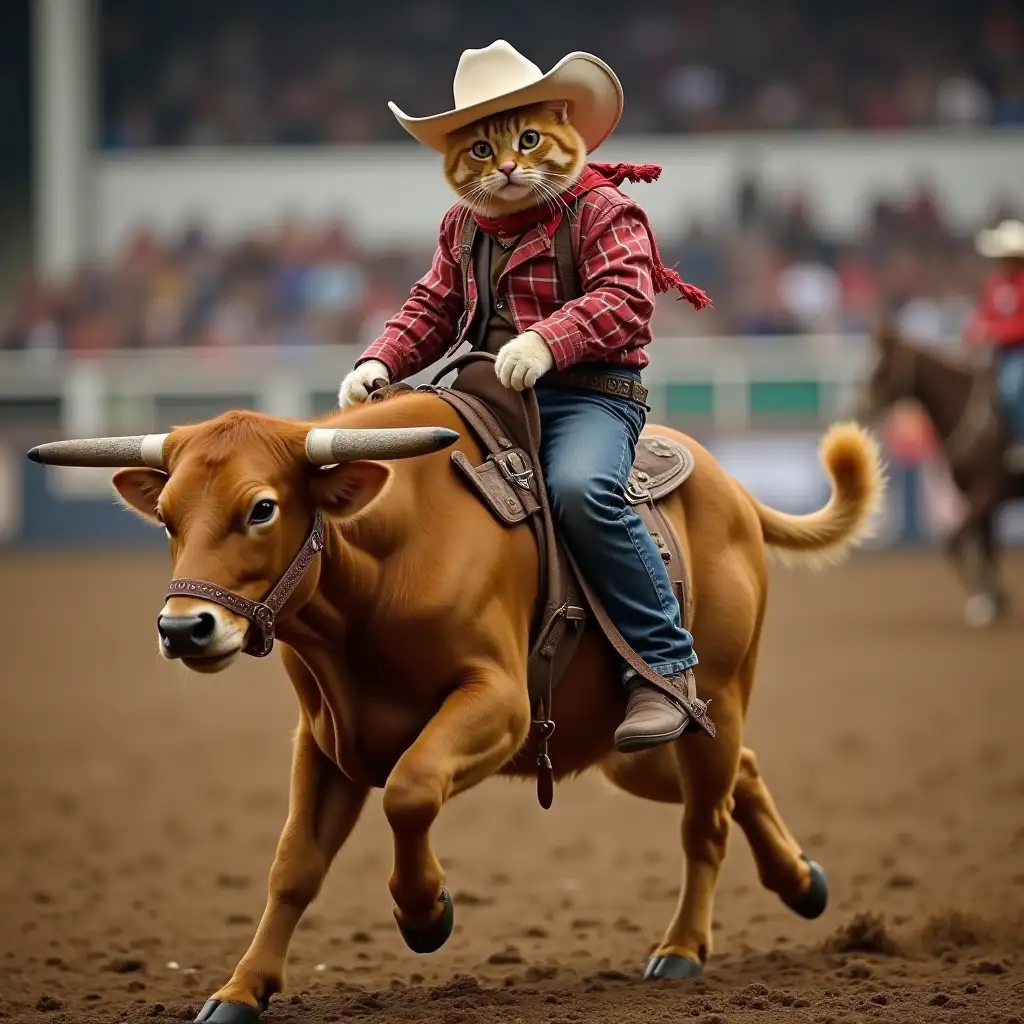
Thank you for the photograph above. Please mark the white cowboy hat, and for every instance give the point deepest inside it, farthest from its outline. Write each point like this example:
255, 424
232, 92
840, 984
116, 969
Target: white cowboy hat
499, 77
1007, 239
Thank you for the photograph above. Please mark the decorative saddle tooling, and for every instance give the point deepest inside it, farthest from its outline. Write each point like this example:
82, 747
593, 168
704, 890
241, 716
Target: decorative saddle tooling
506, 423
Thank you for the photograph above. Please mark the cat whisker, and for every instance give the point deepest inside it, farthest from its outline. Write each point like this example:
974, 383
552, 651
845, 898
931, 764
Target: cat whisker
550, 196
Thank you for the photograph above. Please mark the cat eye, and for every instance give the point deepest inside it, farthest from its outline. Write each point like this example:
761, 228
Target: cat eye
262, 512
481, 150
530, 139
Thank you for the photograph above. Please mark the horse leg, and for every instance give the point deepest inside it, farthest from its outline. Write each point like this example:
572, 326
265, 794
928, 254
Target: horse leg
974, 542
991, 550
958, 552
324, 806
480, 726
707, 775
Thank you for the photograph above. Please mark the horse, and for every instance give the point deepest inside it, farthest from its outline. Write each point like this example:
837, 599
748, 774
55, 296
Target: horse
959, 399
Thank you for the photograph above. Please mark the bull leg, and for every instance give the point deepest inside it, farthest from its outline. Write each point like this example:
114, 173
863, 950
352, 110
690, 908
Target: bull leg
477, 729
324, 806
707, 774
781, 865
783, 869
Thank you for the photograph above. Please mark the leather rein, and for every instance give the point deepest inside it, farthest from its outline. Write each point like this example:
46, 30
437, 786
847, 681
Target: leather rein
259, 639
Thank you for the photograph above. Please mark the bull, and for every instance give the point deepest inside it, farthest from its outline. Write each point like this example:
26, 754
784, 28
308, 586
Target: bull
402, 610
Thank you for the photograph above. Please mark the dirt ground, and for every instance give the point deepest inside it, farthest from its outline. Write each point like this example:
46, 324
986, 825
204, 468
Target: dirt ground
140, 807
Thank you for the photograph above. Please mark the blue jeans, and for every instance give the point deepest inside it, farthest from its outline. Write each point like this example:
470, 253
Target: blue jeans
587, 446
1010, 385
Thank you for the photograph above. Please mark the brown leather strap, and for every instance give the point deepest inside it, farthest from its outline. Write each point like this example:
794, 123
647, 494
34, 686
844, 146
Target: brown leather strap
682, 689
261, 614
595, 380
565, 257
469, 232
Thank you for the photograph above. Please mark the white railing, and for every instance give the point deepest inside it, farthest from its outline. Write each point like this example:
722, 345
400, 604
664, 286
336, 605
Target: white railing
121, 391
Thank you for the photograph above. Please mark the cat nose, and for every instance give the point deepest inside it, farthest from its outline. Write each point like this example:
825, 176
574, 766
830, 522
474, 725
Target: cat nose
507, 168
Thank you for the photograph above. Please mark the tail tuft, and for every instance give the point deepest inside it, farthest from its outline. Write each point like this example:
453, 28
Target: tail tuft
853, 461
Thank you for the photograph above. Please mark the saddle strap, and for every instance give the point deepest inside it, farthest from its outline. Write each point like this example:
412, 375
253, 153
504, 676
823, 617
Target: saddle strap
660, 527
517, 471
682, 690
559, 602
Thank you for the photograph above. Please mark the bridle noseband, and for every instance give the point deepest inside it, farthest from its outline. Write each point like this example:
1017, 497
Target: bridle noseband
261, 614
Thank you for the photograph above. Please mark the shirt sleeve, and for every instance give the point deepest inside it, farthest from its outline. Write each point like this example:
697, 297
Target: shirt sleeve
618, 300
424, 328
993, 325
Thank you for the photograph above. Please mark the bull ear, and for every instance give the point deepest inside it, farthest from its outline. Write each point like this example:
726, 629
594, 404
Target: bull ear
348, 488
140, 490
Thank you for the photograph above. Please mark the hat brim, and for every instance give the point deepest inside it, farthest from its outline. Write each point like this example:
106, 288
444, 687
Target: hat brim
584, 82
995, 245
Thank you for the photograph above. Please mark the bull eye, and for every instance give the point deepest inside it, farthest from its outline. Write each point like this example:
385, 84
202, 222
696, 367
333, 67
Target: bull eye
262, 512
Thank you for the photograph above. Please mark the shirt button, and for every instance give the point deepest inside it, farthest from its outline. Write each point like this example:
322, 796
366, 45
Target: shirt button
499, 304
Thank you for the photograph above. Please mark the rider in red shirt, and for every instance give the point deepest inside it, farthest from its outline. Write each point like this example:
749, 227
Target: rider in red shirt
999, 322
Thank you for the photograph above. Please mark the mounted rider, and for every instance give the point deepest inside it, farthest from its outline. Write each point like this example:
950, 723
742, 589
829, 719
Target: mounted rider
562, 344
999, 323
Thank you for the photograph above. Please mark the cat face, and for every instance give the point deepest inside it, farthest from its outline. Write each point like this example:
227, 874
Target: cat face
515, 160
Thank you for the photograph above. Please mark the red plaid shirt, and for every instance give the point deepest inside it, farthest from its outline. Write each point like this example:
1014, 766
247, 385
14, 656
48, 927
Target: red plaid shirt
999, 318
609, 323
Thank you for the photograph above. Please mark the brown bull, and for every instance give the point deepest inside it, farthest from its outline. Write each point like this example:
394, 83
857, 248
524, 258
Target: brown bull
406, 642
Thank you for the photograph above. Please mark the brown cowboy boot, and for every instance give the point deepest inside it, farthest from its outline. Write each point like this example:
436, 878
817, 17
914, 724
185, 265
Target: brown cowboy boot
652, 717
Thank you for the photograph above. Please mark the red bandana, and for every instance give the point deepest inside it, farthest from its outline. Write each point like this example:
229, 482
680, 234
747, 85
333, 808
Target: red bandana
598, 176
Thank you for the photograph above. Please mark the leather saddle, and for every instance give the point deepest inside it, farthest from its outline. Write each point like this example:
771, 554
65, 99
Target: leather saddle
508, 481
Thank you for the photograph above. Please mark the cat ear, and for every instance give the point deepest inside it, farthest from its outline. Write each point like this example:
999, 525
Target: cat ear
560, 110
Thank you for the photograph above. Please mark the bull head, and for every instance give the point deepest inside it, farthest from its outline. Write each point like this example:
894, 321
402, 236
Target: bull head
236, 508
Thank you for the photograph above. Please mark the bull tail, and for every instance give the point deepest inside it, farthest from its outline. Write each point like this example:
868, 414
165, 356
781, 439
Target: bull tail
852, 459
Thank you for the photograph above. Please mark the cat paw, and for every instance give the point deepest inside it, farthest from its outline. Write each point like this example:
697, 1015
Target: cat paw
523, 361
366, 377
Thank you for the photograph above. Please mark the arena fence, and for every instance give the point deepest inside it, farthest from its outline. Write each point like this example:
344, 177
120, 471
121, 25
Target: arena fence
759, 404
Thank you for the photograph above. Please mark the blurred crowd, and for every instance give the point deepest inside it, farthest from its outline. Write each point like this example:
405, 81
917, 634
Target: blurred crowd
252, 72
769, 270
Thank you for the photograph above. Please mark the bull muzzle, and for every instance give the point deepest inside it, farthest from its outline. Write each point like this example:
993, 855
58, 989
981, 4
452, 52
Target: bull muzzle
186, 636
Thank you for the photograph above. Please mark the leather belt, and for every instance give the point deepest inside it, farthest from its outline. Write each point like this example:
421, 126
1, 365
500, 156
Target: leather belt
595, 380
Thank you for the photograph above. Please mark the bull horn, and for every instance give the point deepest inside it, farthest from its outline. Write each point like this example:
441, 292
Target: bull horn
112, 452
326, 446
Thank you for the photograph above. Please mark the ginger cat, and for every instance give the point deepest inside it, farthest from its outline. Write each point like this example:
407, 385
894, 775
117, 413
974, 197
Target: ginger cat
515, 160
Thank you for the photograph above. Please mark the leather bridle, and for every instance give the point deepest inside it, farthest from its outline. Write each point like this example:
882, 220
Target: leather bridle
259, 638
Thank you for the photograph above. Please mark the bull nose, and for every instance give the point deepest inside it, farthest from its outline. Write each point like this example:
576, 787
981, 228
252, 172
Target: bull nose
186, 635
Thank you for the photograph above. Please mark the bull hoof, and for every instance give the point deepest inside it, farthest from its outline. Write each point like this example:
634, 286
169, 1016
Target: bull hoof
431, 938
672, 968
216, 1012
812, 903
